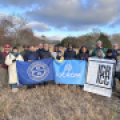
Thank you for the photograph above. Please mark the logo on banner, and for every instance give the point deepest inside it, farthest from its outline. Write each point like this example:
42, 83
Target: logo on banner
67, 72
38, 71
104, 73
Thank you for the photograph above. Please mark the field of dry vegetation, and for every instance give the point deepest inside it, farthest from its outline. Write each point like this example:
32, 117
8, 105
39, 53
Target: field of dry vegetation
54, 102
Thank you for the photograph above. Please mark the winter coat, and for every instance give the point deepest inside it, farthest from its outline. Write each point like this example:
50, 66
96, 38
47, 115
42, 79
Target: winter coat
110, 57
68, 55
31, 56
39, 51
12, 67
1, 58
81, 55
23, 53
3, 64
103, 50
45, 54
59, 58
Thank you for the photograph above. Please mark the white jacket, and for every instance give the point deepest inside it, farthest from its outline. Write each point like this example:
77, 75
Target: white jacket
12, 67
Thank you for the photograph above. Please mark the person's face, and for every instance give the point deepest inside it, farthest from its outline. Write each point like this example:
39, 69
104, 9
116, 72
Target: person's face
109, 54
98, 53
15, 50
84, 50
70, 46
118, 53
115, 46
56, 49
99, 44
40, 46
26, 48
32, 48
59, 54
7, 48
46, 47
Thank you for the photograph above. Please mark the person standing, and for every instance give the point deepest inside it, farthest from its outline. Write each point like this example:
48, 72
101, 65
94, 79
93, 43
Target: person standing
45, 53
26, 49
31, 56
99, 48
40, 49
7, 49
110, 56
115, 49
10, 60
99, 55
83, 53
1, 58
54, 54
69, 53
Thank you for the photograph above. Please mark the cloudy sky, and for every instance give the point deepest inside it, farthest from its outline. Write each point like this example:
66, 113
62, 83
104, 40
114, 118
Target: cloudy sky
59, 18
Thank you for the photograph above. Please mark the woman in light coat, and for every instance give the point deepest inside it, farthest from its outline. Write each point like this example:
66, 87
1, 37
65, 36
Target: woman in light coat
11, 62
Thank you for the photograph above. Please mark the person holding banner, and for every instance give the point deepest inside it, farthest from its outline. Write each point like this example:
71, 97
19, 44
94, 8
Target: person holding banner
110, 56
83, 53
7, 49
10, 60
59, 56
31, 56
115, 49
99, 48
99, 55
69, 54
45, 53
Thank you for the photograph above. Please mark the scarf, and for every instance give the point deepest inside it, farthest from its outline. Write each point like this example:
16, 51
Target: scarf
15, 54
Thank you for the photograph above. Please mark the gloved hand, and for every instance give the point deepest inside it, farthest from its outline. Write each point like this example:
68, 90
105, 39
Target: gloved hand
14, 60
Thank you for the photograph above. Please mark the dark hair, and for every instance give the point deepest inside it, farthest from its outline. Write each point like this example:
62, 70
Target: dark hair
14, 48
109, 51
82, 48
32, 46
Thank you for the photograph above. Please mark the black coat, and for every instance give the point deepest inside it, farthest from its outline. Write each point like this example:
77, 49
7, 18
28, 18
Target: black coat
68, 55
81, 55
31, 56
1, 58
39, 51
45, 54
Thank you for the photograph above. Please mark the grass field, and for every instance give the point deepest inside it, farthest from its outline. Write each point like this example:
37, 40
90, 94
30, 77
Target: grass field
54, 102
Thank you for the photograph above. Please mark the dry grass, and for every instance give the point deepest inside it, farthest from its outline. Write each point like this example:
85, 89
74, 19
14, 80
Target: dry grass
56, 103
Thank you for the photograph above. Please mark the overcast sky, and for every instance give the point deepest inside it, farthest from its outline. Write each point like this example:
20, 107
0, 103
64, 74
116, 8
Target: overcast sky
59, 18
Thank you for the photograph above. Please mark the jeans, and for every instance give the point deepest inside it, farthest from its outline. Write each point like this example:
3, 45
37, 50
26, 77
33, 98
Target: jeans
14, 86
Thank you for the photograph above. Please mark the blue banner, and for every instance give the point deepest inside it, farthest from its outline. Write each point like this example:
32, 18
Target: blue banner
35, 72
70, 71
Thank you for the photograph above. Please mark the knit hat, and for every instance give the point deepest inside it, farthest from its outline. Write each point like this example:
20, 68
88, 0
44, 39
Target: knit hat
7, 45
25, 45
109, 51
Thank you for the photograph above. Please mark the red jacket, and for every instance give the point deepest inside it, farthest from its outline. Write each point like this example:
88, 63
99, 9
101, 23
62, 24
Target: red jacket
3, 64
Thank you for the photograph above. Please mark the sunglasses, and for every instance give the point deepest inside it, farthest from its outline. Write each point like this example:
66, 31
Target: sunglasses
7, 47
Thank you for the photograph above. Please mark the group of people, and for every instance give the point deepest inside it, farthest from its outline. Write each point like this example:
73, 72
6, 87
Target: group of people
10, 55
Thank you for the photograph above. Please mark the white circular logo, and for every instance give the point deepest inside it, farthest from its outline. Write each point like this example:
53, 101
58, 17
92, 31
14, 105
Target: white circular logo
68, 67
38, 71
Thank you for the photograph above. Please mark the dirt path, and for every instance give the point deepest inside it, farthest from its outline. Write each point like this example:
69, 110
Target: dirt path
57, 103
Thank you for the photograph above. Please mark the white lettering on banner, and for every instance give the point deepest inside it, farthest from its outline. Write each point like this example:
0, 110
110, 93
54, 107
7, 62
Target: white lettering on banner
67, 72
100, 76
38, 71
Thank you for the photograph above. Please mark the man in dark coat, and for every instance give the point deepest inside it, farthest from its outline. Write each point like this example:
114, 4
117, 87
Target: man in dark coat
31, 56
41, 49
45, 53
69, 53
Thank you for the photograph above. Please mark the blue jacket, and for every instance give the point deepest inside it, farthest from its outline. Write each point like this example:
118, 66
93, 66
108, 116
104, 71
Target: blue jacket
31, 56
